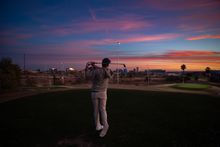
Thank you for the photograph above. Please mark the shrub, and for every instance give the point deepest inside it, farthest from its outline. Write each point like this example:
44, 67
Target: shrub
9, 74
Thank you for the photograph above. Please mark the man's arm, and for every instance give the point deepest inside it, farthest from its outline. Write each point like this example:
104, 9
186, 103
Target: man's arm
109, 73
90, 70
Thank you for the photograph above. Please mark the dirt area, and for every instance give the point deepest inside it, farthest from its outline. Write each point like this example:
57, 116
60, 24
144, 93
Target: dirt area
7, 96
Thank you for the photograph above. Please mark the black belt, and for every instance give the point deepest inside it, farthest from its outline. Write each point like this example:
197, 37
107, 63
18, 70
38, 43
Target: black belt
94, 91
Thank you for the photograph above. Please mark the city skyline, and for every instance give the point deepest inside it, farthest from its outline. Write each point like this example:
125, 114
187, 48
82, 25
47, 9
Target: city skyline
153, 34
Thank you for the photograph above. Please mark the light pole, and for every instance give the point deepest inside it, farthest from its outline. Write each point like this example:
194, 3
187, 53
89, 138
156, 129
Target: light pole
118, 43
24, 58
148, 76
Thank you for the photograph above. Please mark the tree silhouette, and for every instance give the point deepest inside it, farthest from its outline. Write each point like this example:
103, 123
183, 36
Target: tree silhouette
9, 74
207, 71
183, 67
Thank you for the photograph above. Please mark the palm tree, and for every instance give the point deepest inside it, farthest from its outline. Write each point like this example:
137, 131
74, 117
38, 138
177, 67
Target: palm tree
207, 71
183, 67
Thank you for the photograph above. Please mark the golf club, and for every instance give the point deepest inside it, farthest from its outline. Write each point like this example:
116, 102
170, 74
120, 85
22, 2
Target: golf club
111, 63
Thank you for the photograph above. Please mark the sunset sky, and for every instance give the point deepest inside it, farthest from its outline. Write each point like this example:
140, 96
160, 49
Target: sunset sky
155, 34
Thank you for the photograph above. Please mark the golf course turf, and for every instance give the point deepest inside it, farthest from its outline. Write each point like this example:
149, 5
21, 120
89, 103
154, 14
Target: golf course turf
191, 86
136, 118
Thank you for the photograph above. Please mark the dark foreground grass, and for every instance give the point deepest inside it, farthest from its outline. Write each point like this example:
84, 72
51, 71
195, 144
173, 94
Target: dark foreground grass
136, 118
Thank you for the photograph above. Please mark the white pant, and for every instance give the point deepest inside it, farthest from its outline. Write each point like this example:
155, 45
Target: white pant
99, 105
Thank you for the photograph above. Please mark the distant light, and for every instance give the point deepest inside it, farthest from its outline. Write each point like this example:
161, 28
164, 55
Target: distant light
53, 68
72, 69
118, 43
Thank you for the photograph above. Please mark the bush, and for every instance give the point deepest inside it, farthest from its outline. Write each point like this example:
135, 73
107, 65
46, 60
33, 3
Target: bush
9, 74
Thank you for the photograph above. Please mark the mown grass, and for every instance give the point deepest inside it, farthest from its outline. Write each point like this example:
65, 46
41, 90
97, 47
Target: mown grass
136, 118
191, 86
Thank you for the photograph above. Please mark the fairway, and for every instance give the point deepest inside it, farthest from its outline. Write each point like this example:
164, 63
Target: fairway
191, 86
136, 118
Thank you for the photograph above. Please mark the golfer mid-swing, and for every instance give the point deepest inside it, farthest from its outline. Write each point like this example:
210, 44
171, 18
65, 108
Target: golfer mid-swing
100, 77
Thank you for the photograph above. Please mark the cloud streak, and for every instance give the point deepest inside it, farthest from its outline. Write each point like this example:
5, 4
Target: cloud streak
147, 38
121, 24
125, 40
13, 37
171, 60
181, 55
200, 22
204, 37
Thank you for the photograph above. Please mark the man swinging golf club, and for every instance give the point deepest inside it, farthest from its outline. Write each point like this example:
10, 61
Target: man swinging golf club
100, 77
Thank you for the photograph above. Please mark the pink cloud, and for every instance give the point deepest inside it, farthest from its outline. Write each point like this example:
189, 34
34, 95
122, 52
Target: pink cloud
134, 39
190, 53
200, 22
23, 36
77, 49
7, 40
114, 24
183, 55
185, 26
193, 55
194, 59
202, 16
88, 48
13, 37
90, 44
204, 37
150, 38
125, 23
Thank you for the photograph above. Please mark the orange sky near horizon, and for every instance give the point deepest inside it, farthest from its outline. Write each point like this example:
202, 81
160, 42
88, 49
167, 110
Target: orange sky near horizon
172, 60
171, 65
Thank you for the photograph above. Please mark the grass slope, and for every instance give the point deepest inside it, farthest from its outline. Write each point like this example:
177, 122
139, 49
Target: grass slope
136, 118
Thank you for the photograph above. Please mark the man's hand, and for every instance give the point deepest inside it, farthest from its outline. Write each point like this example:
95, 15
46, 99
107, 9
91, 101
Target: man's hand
90, 65
87, 65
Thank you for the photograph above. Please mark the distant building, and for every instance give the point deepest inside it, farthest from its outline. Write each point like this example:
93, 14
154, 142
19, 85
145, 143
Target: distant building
70, 70
125, 71
158, 72
137, 69
53, 70
215, 76
173, 74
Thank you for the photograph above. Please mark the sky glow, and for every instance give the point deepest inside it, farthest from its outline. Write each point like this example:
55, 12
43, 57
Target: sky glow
156, 34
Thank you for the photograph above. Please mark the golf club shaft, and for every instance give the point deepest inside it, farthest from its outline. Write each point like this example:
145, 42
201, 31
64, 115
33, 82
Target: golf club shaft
112, 63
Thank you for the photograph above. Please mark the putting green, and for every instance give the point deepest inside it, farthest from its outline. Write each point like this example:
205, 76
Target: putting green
192, 86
